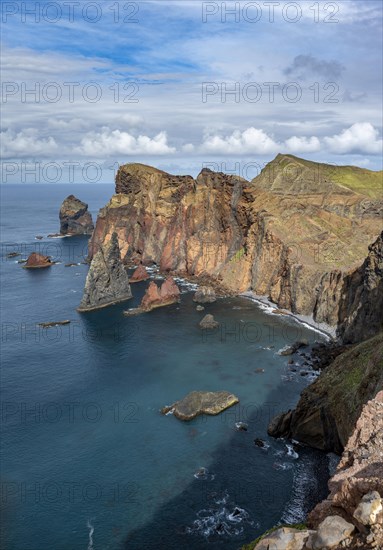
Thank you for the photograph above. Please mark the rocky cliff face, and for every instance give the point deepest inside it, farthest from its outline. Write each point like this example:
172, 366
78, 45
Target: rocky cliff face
360, 470
328, 409
294, 233
75, 218
352, 515
107, 281
361, 302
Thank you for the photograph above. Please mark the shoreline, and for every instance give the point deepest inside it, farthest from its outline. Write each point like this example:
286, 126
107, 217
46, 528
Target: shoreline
269, 307
307, 320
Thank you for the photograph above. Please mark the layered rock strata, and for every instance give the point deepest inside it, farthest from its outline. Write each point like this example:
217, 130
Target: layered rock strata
296, 233
75, 218
107, 281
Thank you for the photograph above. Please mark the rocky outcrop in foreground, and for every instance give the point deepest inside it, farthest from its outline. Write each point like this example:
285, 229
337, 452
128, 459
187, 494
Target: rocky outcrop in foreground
328, 409
352, 515
155, 296
75, 218
201, 402
36, 261
107, 281
359, 472
296, 233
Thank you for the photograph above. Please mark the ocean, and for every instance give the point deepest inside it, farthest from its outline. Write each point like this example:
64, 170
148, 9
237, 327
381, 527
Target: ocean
88, 462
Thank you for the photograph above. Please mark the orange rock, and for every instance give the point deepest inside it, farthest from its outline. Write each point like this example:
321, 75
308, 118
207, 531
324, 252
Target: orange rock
140, 274
157, 297
36, 260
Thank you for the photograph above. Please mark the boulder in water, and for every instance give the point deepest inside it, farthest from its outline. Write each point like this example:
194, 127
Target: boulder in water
36, 261
201, 402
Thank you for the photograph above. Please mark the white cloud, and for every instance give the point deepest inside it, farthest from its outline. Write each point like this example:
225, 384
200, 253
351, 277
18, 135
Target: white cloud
188, 148
361, 137
303, 144
26, 144
110, 142
251, 140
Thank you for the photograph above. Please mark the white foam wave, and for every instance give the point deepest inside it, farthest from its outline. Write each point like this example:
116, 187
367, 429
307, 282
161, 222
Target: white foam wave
90, 534
304, 483
223, 518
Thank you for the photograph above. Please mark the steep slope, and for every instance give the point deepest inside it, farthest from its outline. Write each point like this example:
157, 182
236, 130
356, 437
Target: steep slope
361, 303
328, 409
107, 281
293, 234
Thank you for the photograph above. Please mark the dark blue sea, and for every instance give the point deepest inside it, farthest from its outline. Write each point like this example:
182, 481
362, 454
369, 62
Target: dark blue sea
88, 462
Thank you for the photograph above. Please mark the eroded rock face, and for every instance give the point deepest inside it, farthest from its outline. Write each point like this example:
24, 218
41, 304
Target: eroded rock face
277, 235
155, 296
75, 218
201, 402
358, 480
361, 303
140, 274
107, 281
328, 409
36, 261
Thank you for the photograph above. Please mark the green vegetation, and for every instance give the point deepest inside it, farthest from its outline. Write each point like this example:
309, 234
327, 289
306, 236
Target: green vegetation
354, 378
290, 169
250, 545
238, 255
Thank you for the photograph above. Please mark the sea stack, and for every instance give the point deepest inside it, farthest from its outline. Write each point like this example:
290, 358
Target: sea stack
107, 281
36, 261
75, 218
154, 297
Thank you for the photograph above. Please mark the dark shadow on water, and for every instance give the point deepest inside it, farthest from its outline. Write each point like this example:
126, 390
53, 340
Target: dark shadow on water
247, 490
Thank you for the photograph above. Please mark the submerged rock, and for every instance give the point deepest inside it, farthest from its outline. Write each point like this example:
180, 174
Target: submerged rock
75, 218
54, 323
241, 426
205, 295
155, 296
208, 322
201, 402
140, 274
289, 350
36, 260
200, 308
107, 281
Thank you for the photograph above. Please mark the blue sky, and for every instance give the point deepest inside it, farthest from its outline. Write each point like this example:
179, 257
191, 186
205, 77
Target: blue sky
175, 60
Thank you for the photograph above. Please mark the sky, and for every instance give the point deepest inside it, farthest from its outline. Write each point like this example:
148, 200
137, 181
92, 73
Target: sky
88, 86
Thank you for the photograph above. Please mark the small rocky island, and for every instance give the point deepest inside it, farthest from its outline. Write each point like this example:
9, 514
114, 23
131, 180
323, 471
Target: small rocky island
107, 281
201, 402
75, 218
37, 261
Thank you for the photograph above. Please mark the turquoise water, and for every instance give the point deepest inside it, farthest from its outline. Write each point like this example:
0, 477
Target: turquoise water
88, 462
